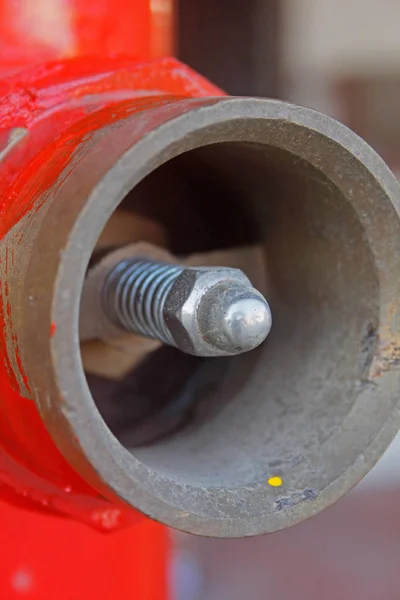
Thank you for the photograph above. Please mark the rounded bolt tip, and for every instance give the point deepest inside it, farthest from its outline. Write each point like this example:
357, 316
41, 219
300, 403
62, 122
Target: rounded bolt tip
238, 318
246, 322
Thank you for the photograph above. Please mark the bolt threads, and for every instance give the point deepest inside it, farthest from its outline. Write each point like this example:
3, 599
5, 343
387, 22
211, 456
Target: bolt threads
134, 296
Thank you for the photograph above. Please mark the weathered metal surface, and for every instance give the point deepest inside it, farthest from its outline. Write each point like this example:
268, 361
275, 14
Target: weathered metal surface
268, 438
59, 108
224, 447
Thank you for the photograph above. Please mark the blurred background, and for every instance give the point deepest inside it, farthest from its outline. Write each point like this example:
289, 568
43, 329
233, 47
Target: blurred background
341, 57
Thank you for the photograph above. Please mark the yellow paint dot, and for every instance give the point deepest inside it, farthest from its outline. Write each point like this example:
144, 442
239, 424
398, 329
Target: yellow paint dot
275, 481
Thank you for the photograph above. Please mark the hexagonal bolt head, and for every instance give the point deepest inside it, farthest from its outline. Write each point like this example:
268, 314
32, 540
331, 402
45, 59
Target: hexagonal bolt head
201, 310
216, 312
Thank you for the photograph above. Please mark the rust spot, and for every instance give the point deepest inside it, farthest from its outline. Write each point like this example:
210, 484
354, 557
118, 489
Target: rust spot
387, 354
387, 357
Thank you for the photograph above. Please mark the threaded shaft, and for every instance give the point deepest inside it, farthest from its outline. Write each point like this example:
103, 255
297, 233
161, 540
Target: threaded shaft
211, 311
134, 296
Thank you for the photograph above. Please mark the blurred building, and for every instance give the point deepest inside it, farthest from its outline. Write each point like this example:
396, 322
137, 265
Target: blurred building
343, 58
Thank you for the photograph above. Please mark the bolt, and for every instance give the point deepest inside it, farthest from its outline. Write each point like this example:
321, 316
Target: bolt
200, 310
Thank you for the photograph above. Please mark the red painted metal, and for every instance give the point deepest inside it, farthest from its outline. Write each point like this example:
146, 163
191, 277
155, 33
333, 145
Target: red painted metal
58, 105
50, 558
35, 31
91, 62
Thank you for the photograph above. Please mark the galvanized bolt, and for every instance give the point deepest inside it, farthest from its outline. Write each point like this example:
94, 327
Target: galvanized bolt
201, 310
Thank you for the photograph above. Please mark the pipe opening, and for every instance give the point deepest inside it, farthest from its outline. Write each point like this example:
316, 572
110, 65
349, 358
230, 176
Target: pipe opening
229, 422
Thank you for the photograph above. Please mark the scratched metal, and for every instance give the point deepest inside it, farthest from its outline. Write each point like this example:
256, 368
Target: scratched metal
50, 116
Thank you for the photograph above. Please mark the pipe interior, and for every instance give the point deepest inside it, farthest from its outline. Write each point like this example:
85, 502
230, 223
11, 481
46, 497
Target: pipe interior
236, 421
